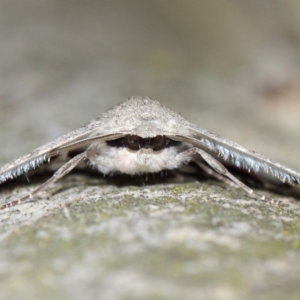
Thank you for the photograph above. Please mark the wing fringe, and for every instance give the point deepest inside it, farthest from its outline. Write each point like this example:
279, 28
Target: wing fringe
24, 168
239, 156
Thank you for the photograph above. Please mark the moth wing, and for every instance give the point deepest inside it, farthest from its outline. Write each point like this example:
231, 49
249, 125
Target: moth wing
233, 154
42, 154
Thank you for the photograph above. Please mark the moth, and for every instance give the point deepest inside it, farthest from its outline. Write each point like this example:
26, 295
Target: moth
142, 136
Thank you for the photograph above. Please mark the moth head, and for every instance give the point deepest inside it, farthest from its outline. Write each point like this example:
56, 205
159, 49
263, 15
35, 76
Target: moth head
134, 143
133, 154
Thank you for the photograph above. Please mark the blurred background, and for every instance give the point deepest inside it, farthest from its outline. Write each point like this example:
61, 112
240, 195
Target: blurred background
230, 66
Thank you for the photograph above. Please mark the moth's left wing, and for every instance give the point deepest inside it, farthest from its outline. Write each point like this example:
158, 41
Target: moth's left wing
76, 139
236, 155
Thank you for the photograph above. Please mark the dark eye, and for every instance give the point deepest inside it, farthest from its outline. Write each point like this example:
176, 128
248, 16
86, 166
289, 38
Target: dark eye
132, 142
158, 143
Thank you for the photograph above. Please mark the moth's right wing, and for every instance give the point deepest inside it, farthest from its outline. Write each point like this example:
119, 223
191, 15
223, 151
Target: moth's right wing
235, 155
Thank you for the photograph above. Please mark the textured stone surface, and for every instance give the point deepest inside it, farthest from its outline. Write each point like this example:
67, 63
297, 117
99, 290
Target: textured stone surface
88, 237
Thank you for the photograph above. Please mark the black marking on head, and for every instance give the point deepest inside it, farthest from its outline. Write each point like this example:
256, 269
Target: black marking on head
118, 143
75, 152
135, 142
